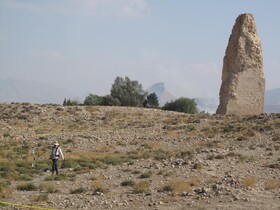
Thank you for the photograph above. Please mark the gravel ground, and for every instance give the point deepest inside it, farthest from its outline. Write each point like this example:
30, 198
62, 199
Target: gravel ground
140, 158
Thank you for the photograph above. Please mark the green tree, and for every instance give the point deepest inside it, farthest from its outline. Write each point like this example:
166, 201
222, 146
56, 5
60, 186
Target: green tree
108, 100
64, 102
69, 102
183, 104
94, 100
128, 92
152, 101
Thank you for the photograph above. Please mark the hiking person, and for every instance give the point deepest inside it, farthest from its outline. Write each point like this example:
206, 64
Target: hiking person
56, 152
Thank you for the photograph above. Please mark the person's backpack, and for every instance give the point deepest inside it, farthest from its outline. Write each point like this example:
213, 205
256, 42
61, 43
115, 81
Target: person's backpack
54, 154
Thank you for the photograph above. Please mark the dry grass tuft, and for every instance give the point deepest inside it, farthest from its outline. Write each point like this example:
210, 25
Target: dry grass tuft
156, 145
47, 187
27, 186
6, 192
271, 184
141, 187
249, 181
177, 186
92, 109
98, 187
194, 181
198, 166
40, 197
78, 190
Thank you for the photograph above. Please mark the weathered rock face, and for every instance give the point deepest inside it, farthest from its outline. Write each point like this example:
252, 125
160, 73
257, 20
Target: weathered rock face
243, 84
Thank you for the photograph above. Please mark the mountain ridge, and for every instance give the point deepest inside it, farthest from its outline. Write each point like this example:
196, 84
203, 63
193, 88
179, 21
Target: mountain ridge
14, 90
163, 95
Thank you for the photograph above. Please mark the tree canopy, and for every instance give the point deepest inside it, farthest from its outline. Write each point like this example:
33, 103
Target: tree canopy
128, 92
151, 101
93, 100
182, 104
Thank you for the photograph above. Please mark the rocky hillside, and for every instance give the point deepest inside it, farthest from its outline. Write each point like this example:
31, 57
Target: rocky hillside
136, 158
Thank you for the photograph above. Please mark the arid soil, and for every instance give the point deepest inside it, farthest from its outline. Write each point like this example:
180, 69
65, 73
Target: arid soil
137, 158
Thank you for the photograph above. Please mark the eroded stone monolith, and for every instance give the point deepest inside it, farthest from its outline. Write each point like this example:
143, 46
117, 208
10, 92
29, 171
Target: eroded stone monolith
243, 83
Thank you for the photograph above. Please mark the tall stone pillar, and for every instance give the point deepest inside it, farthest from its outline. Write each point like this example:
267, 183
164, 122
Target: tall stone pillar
243, 84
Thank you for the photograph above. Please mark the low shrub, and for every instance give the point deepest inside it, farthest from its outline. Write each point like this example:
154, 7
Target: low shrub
4, 184
113, 160
198, 166
184, 154
25, 177
177, 186
182, 104
41, 197
161, 155
141, 187
46, 187
55, 177
167, 188
78, 190
29, 186
194, 181
145, 175
5, 190
5, 169
127, 183
6, 135
136, 172
98, 187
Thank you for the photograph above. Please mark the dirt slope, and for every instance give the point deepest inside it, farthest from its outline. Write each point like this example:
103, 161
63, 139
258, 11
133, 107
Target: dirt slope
135, 158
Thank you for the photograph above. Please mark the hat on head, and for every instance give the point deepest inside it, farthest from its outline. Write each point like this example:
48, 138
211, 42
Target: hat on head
56, 143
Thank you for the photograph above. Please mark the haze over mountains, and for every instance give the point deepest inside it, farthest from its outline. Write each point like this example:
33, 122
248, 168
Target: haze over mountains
203, 104
272, 101
12, 90
161, 92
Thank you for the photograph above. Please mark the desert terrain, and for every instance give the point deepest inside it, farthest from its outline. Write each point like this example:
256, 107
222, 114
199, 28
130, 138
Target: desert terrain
137, 158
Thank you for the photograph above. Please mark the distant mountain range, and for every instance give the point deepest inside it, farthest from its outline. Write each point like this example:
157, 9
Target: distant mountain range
208, 105
272, 101
203, 104
272, 97
12, 90
161, 92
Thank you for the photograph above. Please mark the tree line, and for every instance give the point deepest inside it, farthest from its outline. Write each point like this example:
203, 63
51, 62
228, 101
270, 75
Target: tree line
127, 92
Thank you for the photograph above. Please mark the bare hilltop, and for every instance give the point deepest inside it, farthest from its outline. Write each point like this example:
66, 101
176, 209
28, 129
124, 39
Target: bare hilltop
137, 158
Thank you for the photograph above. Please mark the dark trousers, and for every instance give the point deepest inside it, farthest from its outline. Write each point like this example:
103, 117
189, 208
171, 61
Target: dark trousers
54, 166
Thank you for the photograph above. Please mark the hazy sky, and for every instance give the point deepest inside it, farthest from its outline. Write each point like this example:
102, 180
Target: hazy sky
83, 45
